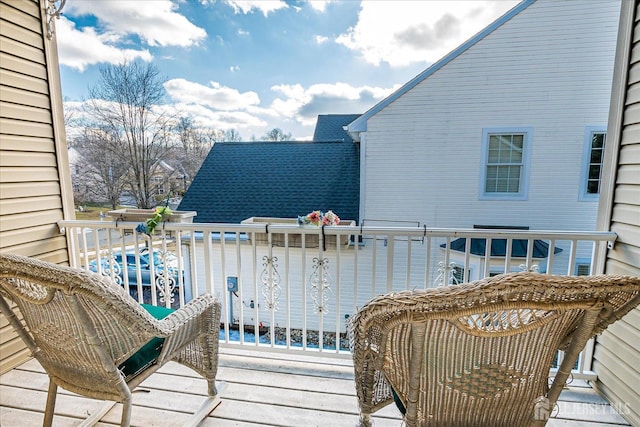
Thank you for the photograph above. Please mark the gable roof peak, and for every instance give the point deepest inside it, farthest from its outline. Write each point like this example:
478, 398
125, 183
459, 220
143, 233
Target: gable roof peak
360, 124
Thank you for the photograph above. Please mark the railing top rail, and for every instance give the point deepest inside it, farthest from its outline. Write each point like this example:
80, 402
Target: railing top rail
608, 236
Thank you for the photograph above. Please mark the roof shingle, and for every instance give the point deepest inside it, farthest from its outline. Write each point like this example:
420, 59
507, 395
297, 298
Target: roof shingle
239, 180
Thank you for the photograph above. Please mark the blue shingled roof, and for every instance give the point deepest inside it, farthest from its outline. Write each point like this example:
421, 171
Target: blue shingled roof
329, 127
239, 180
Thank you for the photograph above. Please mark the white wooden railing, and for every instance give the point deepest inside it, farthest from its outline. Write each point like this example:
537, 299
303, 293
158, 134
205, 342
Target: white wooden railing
297, 285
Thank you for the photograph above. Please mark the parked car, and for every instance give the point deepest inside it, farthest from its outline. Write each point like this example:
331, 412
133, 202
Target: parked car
114, 262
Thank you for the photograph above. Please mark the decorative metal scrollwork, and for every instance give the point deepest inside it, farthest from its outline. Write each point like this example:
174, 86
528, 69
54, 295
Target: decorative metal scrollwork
111, 268
270, 282
321, 282
54, 10
446, 275
161, 283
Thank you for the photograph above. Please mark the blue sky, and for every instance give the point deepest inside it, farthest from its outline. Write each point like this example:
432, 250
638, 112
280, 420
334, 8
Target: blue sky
257, 65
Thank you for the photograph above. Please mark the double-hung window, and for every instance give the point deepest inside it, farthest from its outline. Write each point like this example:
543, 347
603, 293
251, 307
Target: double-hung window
506, 163
592, 161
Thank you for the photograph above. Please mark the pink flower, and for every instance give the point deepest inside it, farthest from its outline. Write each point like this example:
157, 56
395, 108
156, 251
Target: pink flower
314, 217
330, 219
318, 218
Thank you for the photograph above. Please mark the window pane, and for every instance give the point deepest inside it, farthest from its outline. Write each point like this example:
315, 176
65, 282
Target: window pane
593, 187
583, 270
514, 179
494, 156
597, 141
516, 152
594, 172
490, 183
494, 149
596, 156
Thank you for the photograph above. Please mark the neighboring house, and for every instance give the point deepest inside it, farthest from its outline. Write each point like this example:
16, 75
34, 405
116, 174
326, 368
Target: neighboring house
506, 130
616, 356
168, 180
35, 182
239, 180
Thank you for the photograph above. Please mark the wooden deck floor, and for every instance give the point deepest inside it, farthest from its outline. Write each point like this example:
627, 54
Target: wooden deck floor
263, 389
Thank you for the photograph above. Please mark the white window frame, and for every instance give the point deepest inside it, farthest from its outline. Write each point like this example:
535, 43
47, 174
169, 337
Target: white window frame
586, 161
523, 192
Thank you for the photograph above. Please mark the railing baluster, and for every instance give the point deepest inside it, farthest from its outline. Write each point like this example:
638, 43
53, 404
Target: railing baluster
374, 265
287, 271
427, 261
390, 253
337, 292
227, 299
487, 258
551, 256
407, 284
507, 255
241, 321
303, 297
572, 257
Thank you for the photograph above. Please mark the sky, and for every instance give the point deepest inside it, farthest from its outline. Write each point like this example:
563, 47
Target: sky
256, 65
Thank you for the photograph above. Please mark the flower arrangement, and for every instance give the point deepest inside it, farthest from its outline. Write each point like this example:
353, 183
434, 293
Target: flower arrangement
150, 225
319, 218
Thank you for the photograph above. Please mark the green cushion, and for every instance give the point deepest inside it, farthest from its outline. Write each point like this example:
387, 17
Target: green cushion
398, 402
148, 354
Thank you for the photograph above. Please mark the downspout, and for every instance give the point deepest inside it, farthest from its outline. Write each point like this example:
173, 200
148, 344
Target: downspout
360, 137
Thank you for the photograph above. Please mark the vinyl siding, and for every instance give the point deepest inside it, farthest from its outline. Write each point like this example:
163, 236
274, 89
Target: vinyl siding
616, 355
546, 69
34, 184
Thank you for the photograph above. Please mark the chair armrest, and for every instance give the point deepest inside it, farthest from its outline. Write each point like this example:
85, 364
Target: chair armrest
198, 321
192, 310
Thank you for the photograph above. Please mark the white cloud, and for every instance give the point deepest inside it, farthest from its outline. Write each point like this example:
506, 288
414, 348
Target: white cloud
404, 32
222, 107
154, 21
319, 5
81, 48
223, 120
321, 39
336, 98
214, 96
264, 6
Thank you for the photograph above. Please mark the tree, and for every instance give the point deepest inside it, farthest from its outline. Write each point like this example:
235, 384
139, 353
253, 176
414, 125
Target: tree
231, 135
125, 103
194, 145
99, 173
276, 134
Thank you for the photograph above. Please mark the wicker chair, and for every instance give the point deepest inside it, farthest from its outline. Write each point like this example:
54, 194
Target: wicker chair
480, 353
93, 339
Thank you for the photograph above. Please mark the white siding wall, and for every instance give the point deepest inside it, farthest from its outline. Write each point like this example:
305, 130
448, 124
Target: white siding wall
549, 68
617, 356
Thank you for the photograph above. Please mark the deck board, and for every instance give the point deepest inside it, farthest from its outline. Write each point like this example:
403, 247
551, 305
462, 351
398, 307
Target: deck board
263, 389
